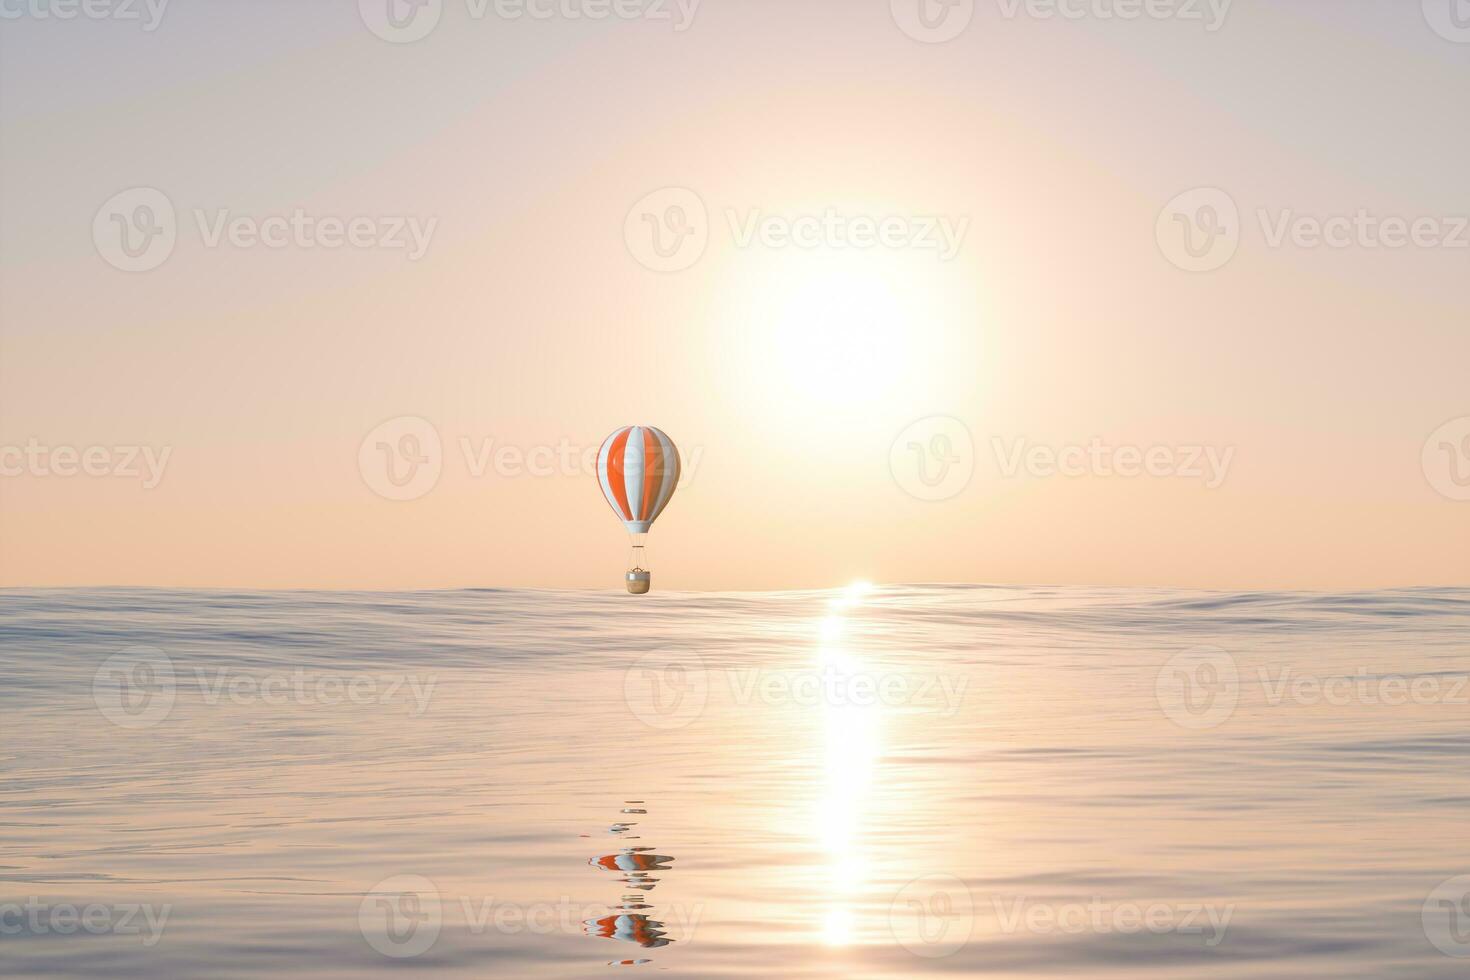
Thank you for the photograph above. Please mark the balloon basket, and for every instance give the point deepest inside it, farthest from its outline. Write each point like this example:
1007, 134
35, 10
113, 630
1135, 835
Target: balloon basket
639, 581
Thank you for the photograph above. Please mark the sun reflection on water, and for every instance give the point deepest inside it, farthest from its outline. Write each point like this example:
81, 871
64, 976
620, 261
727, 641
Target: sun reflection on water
852, 745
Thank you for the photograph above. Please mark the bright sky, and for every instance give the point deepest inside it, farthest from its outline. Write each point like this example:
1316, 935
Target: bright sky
1042, 303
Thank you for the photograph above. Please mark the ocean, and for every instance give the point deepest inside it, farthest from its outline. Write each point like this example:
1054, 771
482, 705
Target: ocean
889, 781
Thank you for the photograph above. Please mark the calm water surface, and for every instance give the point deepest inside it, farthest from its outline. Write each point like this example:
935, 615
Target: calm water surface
976, 781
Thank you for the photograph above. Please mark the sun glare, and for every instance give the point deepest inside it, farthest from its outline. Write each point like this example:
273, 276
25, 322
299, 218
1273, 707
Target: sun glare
832, 333
852, 595
852, 747
843, 334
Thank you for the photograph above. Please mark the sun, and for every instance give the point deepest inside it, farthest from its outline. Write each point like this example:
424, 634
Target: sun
830, 332
843, 333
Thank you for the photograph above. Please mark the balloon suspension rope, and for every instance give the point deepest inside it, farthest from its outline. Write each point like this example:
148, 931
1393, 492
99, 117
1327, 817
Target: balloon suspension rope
636, 557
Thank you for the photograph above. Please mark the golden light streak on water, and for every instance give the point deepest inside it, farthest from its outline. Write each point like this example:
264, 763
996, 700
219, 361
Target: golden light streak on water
852, 746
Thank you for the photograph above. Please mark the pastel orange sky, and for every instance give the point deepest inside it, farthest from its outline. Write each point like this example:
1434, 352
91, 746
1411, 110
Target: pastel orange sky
917, 270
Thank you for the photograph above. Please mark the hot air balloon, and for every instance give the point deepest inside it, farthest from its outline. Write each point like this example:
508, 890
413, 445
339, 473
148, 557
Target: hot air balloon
638, 467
